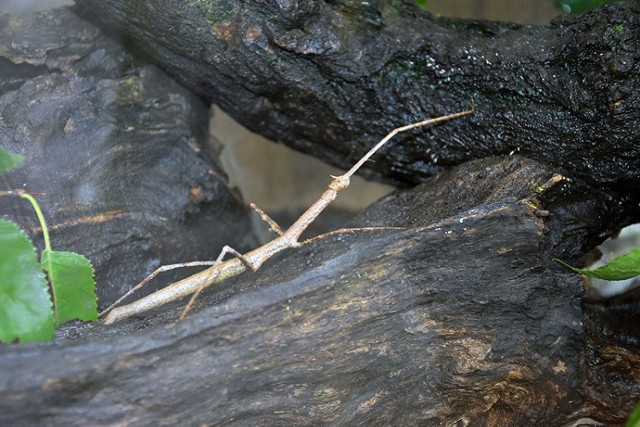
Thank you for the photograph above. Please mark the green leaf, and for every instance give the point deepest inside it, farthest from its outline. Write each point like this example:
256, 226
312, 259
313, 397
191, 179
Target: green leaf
422, 3
8, 160
25, 305
73, 286
620, 268
634, 418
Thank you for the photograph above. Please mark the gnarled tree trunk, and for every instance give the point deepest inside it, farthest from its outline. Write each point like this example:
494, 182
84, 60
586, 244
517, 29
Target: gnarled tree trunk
460, 315
330, 77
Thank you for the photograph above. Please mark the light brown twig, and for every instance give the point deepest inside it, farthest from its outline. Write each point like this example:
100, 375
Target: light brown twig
252, 260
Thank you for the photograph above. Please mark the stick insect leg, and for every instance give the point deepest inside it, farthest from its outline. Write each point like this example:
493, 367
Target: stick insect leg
225, 250
150, 277
273, 226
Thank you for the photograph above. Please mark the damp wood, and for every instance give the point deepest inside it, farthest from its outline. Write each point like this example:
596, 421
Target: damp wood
566, 94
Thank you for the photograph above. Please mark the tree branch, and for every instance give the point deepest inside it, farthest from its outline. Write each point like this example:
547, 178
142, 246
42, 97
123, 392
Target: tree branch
326, 77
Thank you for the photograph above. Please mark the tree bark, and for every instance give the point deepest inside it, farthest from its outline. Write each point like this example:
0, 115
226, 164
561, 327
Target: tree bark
330, 77
117, 147
459, 317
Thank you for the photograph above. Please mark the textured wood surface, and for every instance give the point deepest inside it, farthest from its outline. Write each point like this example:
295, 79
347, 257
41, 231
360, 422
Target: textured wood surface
459, 316
118, 148
457, 319
329, 77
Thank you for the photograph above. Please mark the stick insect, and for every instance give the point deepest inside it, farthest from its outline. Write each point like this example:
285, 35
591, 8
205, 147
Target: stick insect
220, 270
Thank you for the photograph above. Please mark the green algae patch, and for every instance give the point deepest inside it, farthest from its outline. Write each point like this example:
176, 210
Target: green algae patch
216, 10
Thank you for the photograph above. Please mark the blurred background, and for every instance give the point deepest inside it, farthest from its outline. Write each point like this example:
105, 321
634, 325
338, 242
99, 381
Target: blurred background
27, 6
522, 11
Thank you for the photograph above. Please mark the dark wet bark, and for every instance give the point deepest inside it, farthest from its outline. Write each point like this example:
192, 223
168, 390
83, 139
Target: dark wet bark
460, 316
116, 146
330, 77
